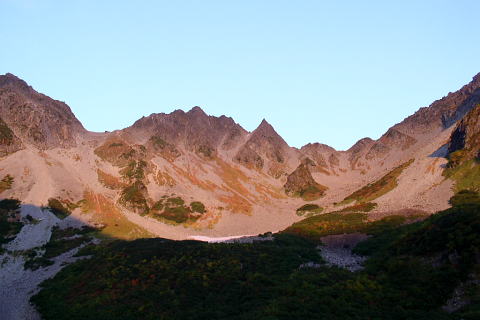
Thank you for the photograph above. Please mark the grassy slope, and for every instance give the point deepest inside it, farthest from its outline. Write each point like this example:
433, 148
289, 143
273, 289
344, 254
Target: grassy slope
315, 227
116, 225
380, 187
312, 192
8, 228
348, 220
466, 175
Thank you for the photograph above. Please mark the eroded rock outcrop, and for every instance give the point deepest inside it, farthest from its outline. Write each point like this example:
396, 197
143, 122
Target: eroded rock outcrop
324, 157
300, 183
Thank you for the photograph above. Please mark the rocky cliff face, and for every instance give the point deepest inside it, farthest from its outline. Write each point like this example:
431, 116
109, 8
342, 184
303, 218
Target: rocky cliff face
417, 130
35, 118
466, 136
444, 112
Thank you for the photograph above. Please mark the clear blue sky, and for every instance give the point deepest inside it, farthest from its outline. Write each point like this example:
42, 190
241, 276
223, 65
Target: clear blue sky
318, 71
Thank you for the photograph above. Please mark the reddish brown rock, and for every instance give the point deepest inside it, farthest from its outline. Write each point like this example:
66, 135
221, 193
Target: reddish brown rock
35, 118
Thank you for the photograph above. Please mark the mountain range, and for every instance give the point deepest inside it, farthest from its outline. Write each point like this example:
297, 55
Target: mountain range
188, 174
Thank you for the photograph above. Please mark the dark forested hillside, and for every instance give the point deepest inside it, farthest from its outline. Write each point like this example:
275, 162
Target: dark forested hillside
413, 271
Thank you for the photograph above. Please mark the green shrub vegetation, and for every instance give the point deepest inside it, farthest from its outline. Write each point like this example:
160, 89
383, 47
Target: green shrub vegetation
327, 224
456, 158
115, 144
158, 142
466, 175
134, 170
380, 187
178, 214
206, 151
58, 208
133, 196
6, 183
56, 247
168, 150
360, 207
309, 209
198, 207
9, 226
438, 253
177, 201
61, 241
10, 205
58, 233
412, 271
175, 210
465, 197
311, 192
315, 227
162, 279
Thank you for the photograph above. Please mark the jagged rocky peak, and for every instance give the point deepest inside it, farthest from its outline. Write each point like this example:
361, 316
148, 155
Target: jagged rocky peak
265, 128
322, 155
317, 147
264, 145
35, 118
358, 150
9, 80
361, 145
392, 139
197, 111
371, 149
395, 138
444, 112
266, 136
195, 130
459, 103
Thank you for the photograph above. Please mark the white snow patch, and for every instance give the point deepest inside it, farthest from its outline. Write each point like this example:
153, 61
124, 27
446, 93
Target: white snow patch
231, 239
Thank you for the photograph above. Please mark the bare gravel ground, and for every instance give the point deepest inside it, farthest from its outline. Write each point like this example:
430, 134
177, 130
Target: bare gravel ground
18, 285
337, 250
33, 235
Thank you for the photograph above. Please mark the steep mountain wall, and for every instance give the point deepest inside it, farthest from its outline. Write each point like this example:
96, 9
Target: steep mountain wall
188, 173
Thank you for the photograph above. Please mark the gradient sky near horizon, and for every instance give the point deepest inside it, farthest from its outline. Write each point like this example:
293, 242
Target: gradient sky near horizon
318, 71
